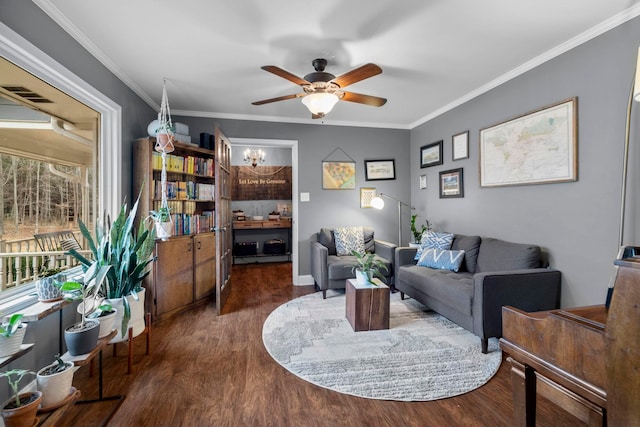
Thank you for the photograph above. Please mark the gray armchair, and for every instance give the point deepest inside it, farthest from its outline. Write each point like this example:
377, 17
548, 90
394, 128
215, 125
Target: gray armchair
331, 271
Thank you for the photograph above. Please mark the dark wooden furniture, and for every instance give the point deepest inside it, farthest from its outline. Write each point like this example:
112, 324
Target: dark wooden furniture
265, 229
367, 306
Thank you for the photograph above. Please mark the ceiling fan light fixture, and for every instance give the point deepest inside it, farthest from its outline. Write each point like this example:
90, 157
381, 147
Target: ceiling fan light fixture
320, 103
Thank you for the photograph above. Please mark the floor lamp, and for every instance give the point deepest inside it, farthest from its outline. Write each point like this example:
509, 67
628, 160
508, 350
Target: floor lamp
378, 203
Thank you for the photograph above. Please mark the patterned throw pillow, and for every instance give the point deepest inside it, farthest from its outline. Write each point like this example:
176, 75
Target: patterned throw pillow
441, 259
433, 240
349, 239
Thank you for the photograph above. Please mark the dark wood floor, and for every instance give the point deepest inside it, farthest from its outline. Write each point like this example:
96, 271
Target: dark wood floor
208, 370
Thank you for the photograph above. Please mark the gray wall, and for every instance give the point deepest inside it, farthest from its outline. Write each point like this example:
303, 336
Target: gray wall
577, 223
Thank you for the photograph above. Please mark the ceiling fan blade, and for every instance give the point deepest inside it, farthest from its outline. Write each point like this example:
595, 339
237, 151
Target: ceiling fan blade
280, 98
374, 101
357, 74
285, 75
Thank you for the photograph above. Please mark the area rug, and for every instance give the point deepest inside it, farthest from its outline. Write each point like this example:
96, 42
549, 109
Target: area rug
423, 356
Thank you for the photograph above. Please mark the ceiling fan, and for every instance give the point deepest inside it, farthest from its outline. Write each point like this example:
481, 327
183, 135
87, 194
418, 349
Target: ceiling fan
323, 90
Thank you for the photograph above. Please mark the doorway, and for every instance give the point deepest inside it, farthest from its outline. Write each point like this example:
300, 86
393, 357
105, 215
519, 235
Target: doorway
240, 144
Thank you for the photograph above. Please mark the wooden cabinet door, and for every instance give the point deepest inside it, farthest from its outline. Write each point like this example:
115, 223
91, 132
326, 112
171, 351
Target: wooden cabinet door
204, 265
173, 274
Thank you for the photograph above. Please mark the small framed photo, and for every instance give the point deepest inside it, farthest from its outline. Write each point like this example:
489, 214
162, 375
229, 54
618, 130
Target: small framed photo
460, 145
431, 154
366, 195
451, 184
377, 170
423, 182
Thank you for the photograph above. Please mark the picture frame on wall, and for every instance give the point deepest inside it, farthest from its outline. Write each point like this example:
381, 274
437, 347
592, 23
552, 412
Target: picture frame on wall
544, 142
338, 175
378, 170
460, 146
431, 154
366, 195
423, 182
451, 183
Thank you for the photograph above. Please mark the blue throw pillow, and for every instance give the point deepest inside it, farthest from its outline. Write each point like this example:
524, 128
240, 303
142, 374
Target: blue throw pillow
441, 259
349, 239
433, 240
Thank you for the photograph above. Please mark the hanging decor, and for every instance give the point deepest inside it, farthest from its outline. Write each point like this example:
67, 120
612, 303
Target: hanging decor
165, 131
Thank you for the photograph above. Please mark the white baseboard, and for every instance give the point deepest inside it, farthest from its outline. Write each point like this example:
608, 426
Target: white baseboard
304, 280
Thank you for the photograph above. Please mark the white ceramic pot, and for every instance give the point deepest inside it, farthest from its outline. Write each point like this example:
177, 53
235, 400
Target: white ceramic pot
55, 387
11, 345
137, 316
107, 322
47, 289
163, 230
361, 278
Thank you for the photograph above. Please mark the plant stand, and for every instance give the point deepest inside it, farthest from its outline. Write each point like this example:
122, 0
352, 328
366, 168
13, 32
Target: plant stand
367, 306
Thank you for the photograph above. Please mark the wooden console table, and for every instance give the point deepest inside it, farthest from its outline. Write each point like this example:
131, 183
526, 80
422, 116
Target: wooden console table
367, 306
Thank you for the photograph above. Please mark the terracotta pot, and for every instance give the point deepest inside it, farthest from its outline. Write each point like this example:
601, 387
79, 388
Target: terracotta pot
55, 387
164, 142
22, 416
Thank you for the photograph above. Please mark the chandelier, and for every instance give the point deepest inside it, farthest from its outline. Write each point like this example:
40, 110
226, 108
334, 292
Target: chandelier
254, 156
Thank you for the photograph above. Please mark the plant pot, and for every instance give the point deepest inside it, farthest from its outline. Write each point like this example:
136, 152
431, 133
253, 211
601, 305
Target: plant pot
82, 340
107, 319
414, 245
137, 316
55, 387
163, 230
361, 277
164, 142
24, 415
47, 289
11, 345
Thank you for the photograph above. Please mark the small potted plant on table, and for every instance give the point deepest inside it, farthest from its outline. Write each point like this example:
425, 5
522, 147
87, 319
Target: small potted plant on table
54, 381
11, 335
47, 286
367, 267
21, 409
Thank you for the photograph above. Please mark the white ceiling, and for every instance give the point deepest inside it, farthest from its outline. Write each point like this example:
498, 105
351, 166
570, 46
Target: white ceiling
435, 54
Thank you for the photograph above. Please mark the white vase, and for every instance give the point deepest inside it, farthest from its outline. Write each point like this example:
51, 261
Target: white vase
137, 316
361, 277
56, 387
11, 345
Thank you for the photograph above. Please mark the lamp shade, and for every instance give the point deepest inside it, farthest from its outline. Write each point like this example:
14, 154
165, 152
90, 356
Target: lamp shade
377, 202
320, 102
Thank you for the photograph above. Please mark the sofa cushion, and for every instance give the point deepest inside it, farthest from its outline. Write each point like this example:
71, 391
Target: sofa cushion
325, 238
348, 239
452, 289
369, 245
499, 255
341, 267
434, 240
470, 245
441, 259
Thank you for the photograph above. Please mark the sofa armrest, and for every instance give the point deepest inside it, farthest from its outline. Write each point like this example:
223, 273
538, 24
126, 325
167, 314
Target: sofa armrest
404, 255
319, 254
530, 290
385, 250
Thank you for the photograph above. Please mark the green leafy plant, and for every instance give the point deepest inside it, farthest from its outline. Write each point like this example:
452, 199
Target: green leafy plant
7, 329
369, 265
128, 253
14, 377
92, 281
161, 215
417, 233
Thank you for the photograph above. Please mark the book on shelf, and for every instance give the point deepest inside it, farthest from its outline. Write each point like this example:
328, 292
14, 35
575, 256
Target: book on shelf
190, 164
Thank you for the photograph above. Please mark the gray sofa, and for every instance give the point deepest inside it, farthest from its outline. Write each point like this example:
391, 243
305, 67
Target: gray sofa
493, 273
331, 271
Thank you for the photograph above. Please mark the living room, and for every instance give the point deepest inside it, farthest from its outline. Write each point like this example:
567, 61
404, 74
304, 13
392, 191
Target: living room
576, 223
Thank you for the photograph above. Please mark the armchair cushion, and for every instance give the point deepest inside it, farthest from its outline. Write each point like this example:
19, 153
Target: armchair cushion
349, 239
325, 238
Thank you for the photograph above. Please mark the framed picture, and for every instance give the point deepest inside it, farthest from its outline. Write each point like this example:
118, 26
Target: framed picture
460, 145
423, 182
338, 175
376, 170
451, 184
366, 195
431, 154
539, 147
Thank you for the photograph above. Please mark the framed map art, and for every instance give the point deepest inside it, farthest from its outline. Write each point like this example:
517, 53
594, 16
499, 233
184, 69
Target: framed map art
338, 175
540, 147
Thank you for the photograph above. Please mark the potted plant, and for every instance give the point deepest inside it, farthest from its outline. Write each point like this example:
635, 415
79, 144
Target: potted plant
20, 410
129, 253
11, 335
47, 286
417, 233
164, 137
82, 337
367, 267
106, 315
162, 221
54, 381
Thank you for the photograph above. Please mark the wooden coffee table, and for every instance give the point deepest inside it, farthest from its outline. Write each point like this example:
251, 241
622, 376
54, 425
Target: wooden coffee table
367, 306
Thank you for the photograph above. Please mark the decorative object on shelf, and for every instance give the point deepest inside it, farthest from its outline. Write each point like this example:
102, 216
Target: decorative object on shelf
366, 196
417, 233
54, 381
162, 219
128, 253
20, 410
378, 170
460, 146
367, 267
378, 203
12, 335
48, 284
165, 131
254, 156
451, 184
431, 154
548, 155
